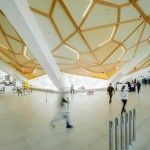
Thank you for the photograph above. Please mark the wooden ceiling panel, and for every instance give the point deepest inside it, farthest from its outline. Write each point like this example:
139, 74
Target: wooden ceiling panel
124, 30
95, 69
8, 54
115, 56
129, 54
128, 13
15, 45
3, 41
85, 64
39, 72
121, 64
119, 2
19, 68
143, 63
22, 59
64, 61
144, 46
98, 36
134, 38
110, 73
77, 42
29, 64
28, 70
105, 51
63, 67
65, 52
99, 75
146, 32
77, 9
7, 27
88, 57
48, 31
100, 15
78, 71
29, 54
109, 67
145, 6
62, 21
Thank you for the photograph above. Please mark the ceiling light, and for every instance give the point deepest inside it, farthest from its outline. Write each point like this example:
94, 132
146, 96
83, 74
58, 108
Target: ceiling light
86, 70
73, 51
123, 49
117, 68
24, 50
87, 8
34, 71
3, 46
122, 53
109, 38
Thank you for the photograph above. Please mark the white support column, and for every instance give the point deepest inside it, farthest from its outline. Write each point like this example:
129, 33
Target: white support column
21, 17
129, 66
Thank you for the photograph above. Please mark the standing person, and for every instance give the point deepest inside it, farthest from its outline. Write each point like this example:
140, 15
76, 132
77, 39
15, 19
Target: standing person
72, 89
124, 97
110, 90
138, 86
61, 112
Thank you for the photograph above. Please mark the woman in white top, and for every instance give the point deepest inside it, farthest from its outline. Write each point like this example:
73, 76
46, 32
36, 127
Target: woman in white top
124, 97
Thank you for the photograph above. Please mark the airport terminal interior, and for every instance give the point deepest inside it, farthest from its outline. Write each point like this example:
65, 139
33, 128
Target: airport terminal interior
74, 74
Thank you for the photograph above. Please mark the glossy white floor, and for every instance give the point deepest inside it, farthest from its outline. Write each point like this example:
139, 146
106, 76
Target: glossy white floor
24, 121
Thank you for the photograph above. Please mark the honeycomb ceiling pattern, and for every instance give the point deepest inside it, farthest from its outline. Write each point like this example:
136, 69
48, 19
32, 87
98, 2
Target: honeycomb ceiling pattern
86, 37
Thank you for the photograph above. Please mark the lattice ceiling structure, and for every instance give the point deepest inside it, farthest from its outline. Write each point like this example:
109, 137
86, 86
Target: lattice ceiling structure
86, 37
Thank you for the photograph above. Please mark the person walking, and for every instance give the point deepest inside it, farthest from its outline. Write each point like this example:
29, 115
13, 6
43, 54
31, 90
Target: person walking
62, 112
110, 90
72, 89
138, 86
124, 97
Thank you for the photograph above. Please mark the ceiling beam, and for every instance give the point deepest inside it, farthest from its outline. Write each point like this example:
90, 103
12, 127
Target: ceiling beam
138, 8
107, 3
111, 24
38, 11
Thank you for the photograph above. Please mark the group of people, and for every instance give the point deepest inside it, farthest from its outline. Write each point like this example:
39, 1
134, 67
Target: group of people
146, 81
124, 96
124, 93
63, 105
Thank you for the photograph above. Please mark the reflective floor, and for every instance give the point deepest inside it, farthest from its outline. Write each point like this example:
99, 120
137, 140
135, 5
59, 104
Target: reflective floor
24, 121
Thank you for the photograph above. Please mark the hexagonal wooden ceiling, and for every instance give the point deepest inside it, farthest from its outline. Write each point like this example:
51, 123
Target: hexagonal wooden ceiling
86, 37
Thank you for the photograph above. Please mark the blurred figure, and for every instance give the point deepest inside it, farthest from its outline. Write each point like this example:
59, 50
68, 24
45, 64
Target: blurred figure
19, 91
61, 112
72, 89
124, 97
110, 90
138, 86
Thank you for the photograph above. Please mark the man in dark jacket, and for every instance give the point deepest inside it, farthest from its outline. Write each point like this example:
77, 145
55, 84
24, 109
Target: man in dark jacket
110, 90
138, 86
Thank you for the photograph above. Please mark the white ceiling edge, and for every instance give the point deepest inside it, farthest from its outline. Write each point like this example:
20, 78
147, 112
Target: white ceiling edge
144, 72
